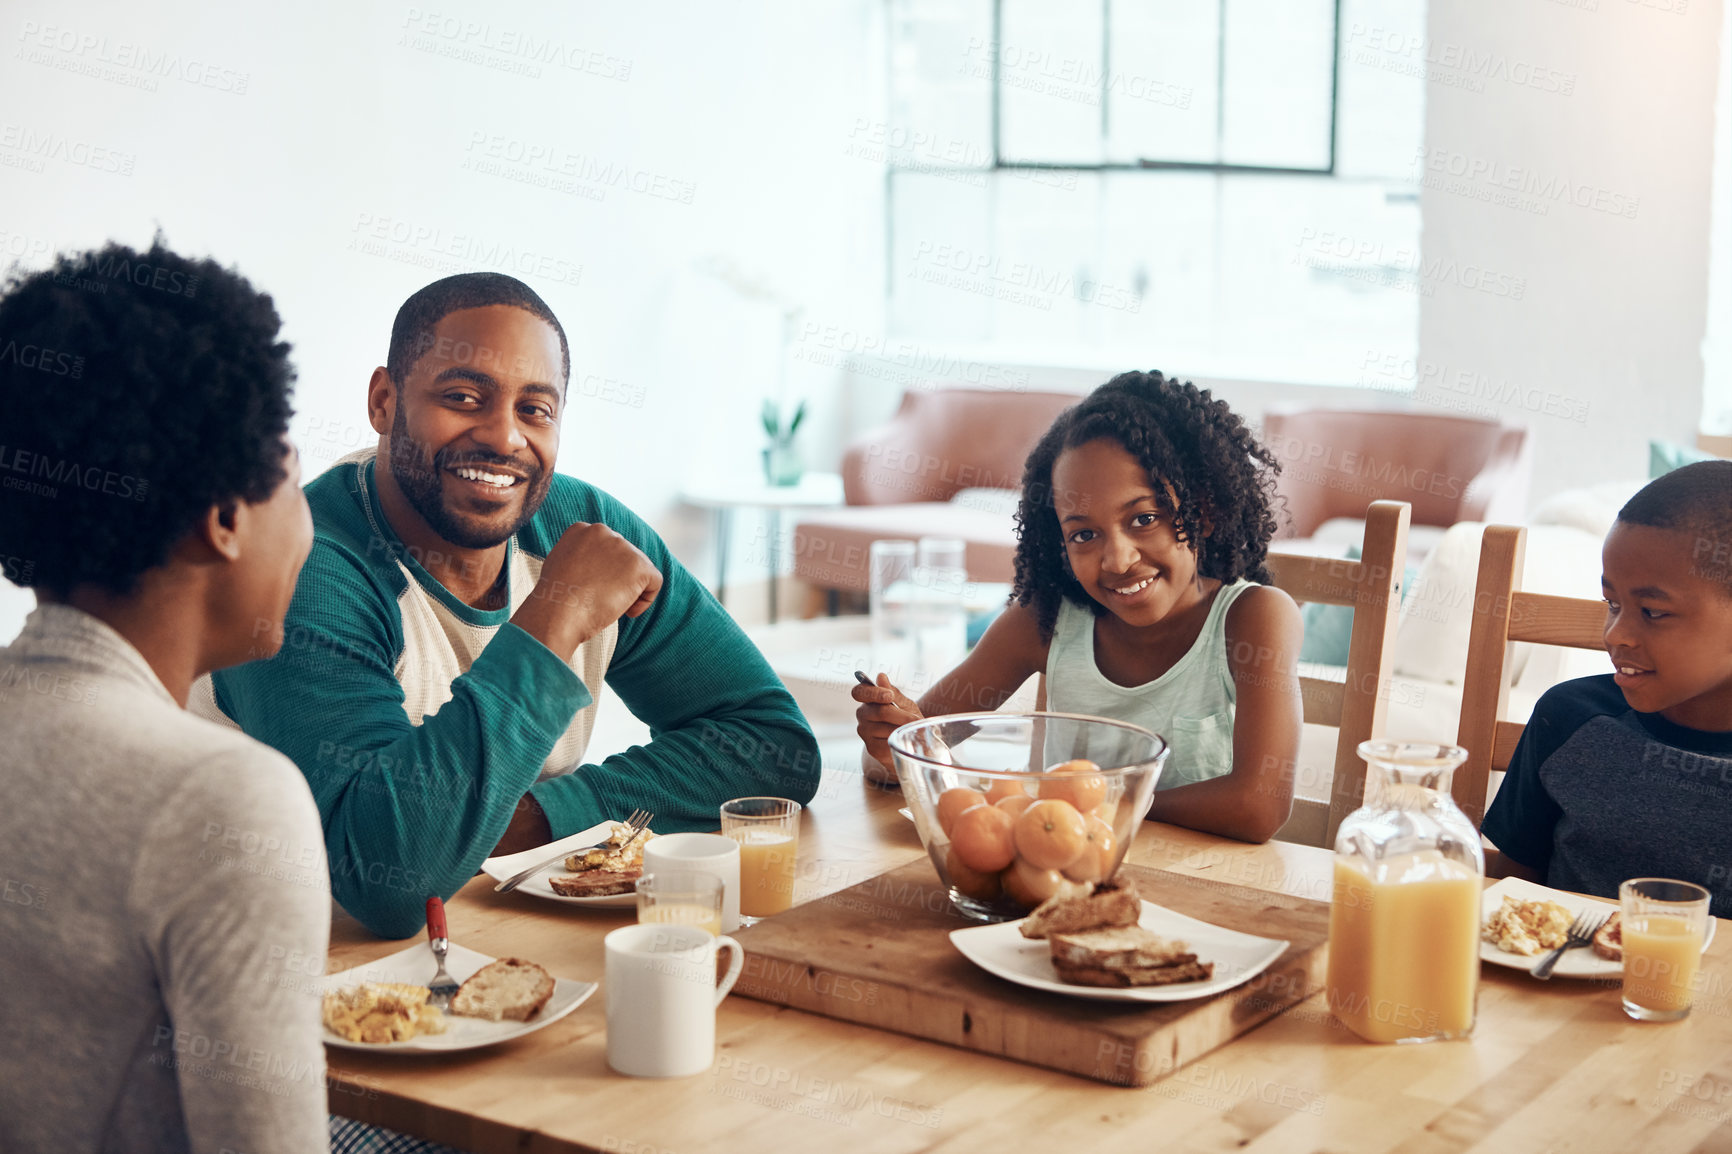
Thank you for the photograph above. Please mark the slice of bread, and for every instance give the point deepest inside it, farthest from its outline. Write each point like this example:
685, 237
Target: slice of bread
1192, 971
509, 988
1609, 941
1112, 903
1118, 948
596, 883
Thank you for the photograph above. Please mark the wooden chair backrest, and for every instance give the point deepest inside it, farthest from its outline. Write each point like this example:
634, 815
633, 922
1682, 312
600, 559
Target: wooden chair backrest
1502, 615
1372, 587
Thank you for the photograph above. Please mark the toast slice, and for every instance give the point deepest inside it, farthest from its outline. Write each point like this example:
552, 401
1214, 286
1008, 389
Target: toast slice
1118, 948
1112, 903
1192, 971
508, 989
596, 883
1609, 942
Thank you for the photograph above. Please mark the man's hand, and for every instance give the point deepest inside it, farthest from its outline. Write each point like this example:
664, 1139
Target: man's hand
883, 709
592, 577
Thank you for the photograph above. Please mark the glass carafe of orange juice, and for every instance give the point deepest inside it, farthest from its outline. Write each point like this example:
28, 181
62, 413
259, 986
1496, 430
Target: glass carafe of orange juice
1404, 927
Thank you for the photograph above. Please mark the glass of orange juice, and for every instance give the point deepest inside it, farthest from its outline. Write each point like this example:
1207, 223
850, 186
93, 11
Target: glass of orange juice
681, 897
768, 830
1664, 922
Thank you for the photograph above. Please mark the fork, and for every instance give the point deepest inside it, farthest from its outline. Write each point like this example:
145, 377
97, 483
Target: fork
443, 985
1582, 932
636, 823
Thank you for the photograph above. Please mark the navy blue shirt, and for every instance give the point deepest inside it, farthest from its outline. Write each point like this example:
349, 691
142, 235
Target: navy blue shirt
1598, 793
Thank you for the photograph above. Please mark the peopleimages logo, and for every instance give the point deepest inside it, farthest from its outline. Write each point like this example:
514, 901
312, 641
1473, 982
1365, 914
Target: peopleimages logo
26, 463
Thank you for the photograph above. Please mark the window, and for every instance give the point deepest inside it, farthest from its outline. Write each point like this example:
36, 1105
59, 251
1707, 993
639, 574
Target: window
1205, 186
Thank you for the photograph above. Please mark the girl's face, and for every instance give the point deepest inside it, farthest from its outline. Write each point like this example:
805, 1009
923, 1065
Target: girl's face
1123, 549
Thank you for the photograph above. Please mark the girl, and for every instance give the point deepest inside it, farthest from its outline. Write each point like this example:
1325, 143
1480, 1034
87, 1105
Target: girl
1141, 593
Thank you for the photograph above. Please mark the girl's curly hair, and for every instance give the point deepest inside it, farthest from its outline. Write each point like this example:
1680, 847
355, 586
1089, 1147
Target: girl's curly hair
1183, 437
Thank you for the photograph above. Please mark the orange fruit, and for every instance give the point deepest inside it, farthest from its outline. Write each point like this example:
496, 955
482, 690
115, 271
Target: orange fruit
952, 802
1095, 863
981, 838
1015, 805
981, 886
1028, 886
1050, 834
1002, 788
1084, 791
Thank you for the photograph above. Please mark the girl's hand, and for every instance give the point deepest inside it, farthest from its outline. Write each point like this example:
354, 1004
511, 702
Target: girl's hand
883, 708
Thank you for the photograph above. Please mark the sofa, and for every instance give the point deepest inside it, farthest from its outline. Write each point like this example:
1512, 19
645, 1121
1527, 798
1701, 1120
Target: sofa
1335, 462
948, 464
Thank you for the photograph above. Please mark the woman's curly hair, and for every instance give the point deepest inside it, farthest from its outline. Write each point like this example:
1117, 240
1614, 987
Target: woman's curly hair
1182, 436
139, 389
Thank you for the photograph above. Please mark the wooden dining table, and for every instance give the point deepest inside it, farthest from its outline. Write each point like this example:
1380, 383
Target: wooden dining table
1551, 1066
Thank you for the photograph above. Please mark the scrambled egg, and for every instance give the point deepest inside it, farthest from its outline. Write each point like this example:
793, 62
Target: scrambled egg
379, 1012
617, 856
1528, 927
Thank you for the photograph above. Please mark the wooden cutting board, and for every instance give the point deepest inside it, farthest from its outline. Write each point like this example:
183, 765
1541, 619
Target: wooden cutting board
880, 954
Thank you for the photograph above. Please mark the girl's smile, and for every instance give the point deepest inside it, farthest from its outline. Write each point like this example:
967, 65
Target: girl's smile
1120, 537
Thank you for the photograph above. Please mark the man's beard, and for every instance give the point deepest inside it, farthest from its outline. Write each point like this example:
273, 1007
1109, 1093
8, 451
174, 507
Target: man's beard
420, 476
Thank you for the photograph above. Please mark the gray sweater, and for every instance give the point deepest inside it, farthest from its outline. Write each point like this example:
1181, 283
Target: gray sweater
164, 912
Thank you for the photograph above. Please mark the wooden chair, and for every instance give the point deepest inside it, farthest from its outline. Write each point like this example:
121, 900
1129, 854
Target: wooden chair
1356, 707
1503, 614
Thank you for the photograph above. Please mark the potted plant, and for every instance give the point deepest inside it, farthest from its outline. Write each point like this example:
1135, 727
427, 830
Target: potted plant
781, 459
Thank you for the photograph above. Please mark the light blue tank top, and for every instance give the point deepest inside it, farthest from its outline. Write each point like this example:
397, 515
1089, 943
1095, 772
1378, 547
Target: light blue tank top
1191, 704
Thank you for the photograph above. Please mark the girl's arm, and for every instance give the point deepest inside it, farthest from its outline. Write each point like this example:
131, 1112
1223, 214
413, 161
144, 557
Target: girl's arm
1264, 633
1008, 655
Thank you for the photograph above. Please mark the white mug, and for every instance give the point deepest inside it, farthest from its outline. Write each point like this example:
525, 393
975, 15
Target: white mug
662, 996
709, 853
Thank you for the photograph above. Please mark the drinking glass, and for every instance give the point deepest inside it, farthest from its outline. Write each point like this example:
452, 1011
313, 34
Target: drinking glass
680, 897
941, 612
1664, 922
894, 649
768, 830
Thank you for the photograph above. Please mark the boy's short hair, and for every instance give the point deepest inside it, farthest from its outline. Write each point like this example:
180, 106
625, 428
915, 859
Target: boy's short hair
1695, 499
139, 389
412, 331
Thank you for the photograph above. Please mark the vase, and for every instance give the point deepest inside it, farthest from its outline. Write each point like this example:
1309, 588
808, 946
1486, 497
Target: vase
1404, 925
782, 465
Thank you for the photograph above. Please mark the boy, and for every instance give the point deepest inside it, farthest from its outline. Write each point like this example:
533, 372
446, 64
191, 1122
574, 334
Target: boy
1629, 774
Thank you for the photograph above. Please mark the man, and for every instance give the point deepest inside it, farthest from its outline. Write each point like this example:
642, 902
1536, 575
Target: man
164, 883
461, 609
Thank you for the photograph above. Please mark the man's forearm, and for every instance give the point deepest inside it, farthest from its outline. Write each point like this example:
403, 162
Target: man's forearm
527, 830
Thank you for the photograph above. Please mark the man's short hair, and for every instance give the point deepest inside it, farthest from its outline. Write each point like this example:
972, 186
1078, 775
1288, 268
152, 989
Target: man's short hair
1695, 499
139, 389
412, 331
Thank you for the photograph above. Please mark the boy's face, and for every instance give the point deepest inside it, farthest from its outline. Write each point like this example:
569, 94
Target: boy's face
1120, 543
1668, 627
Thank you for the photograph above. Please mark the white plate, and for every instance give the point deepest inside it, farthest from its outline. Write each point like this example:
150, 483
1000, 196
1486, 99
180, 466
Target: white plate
1582, 963
1002, 950
906, 812
509, 865
415, 965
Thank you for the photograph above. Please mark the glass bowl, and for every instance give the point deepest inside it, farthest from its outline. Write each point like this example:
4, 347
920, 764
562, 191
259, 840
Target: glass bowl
1005, 816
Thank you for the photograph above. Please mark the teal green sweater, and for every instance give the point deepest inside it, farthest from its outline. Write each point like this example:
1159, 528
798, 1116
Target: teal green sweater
410, 810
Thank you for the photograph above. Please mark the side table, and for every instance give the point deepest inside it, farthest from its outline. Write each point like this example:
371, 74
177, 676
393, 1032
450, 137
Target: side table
815, 491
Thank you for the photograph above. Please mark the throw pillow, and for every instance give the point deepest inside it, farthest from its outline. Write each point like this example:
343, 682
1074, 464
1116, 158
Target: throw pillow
1329, 628
1664, 456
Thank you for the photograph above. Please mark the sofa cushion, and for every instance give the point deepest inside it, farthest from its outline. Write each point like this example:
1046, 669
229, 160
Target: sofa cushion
1437, 615
1591, 509
832, 547
1664, 456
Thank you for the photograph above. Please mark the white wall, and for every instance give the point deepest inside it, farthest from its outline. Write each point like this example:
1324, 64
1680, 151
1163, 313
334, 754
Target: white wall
1614, 309
333, 158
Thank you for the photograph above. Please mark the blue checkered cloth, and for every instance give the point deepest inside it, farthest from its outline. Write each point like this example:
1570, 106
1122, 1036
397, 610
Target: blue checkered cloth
351, 1137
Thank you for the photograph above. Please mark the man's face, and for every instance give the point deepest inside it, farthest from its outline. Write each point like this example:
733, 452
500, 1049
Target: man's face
1668, 626
476, 429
